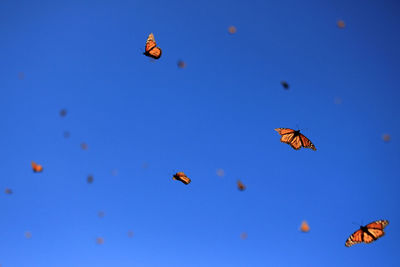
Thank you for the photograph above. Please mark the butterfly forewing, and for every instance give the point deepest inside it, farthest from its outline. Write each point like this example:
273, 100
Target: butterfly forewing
381, 224
355, 238
283, 131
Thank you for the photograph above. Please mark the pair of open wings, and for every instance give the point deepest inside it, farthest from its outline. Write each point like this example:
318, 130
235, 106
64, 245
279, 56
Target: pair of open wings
295, 139
368, 233
151, 49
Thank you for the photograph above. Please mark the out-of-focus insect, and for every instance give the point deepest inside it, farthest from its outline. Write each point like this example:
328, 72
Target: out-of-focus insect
243, 236
63, 112
181, 64
101, 214
151, 49
220, 172
89, 179
294, 138
84, 146
304, 227
100, 240
368, 233
130, 234
181, 176
285, 85
66, 134
8, 191
386, 137
28, 235
341, 24
232, 29
21, 75
241, 186
36, 167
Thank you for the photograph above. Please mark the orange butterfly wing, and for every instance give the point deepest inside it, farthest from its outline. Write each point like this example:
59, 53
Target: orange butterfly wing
151, 49
306, 142
36, 167
283, 131
155, 53
355, 238
296, 143
380, 225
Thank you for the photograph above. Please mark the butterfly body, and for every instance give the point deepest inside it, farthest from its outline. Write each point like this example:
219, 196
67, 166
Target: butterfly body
367, 233
151, 49
294, 138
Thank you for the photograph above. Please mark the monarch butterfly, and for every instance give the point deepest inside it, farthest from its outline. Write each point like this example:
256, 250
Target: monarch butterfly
304, 227
368, 233
151, 49
241, 186
294, 138
181, 176
36, 167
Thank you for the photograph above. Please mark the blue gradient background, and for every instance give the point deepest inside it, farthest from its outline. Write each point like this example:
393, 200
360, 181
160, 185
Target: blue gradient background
219, 112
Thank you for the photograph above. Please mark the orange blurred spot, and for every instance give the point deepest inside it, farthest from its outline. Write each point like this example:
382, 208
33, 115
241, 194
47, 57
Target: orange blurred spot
84, 146
101, 214
36, 167
243, 236
181, 176
232, 29
130, 234
304, 227
386, 137
181, 64
220, 172
8, 191
340, 24
100, 240
241, 186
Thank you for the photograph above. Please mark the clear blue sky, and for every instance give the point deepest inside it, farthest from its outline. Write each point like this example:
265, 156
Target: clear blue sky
219, 112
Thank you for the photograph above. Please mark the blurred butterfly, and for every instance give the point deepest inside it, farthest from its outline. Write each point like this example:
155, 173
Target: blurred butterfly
36, 167
151, 49
368, 233
304, 227
285, 85
181, 176
241, 186
294, 138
